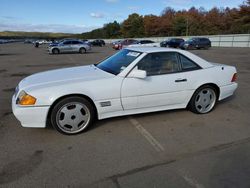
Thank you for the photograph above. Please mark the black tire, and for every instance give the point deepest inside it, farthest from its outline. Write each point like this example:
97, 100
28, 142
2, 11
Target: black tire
82, 50
192, 103
66, 103
55, 51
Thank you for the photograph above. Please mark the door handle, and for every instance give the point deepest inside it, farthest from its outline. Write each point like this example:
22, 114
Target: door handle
181, 80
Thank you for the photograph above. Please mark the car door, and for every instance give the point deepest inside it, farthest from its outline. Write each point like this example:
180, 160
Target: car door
173, 41
179, 42
75, 46
66, 46
164, 85
199, 43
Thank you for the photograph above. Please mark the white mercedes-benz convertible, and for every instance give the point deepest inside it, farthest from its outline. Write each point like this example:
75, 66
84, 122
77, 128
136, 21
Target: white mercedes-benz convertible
132, 81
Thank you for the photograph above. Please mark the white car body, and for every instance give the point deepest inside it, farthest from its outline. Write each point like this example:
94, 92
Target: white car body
122, 94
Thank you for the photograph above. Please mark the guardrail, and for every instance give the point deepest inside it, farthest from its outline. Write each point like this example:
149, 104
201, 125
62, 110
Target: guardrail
232, 40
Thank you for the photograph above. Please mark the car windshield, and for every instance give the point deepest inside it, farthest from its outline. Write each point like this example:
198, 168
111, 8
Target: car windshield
119, 61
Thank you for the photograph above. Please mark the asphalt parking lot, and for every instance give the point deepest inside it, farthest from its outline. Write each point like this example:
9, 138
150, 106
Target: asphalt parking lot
166, 149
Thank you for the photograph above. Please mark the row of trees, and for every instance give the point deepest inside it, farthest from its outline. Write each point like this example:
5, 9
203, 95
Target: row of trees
36, 35
178, 23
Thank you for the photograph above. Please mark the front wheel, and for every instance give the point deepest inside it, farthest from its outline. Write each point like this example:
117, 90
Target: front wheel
82, 51
55, 51
72, 115
204, 99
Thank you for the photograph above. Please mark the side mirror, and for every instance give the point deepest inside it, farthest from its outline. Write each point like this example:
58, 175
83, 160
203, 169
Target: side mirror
136, 73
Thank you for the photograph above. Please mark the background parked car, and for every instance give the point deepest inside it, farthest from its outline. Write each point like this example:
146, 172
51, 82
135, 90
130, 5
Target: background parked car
144, 42
196, 43
141, 43
28, 41
98, 42
123, 43
68, 46
173, 42
40, 42
116, 42
57, 42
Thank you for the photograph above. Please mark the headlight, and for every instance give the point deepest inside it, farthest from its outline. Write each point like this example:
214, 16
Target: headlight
25, 99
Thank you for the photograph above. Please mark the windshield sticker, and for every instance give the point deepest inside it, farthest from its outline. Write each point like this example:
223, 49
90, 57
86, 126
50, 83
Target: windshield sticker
122, 68
134, 54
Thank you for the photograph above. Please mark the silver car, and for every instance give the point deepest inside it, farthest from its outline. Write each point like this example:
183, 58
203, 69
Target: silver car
69, 46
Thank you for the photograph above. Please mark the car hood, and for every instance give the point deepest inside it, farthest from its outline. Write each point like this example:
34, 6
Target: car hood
65, 75
54, 44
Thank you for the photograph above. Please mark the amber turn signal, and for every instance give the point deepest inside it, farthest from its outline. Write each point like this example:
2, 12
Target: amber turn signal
27, 100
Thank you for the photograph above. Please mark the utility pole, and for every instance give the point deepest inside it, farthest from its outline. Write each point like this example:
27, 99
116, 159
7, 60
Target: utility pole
187, 26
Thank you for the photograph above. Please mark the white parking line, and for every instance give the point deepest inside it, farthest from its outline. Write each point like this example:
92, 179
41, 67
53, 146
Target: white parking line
157, 146
191, 181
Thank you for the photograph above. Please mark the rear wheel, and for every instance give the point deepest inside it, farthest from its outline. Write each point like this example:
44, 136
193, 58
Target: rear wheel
55, 51
72, 115
204, 99
82, 51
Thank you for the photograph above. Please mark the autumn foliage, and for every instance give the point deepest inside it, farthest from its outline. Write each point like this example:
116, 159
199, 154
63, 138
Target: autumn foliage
179, 23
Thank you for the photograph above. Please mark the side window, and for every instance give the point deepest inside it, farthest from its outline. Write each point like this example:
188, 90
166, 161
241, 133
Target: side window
195, 40
159, 63
67, 42
202, 40
125, 42
187, 64
205, 40
75, 42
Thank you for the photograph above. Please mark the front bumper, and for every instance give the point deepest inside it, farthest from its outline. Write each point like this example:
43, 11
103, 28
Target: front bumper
30, 116
49, 50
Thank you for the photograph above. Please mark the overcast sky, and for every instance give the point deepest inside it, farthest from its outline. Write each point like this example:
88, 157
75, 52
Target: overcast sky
77, 16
